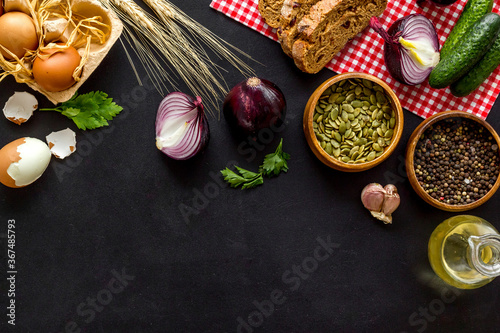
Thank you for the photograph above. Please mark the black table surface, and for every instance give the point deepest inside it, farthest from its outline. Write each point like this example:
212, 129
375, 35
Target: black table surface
103, 245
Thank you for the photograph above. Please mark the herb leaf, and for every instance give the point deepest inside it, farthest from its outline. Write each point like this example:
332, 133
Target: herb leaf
245, 179
276, 162
89, 111
273, 164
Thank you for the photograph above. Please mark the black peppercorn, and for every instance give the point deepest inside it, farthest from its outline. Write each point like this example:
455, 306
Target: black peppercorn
457, 161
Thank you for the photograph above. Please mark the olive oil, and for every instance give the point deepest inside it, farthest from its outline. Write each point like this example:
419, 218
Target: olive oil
450, 251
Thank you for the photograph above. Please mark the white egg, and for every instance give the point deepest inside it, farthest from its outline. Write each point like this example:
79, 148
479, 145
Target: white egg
23, 161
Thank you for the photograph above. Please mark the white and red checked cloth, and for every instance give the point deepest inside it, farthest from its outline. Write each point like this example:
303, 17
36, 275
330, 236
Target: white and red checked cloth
365, 54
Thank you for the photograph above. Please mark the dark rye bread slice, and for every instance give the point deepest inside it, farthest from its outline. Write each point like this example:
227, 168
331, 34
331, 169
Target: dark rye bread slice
292, 12
323, 36
270, 11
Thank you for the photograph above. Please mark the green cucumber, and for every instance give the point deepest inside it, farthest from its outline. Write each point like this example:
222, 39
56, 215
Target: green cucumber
479, 73
473, 11
467, 53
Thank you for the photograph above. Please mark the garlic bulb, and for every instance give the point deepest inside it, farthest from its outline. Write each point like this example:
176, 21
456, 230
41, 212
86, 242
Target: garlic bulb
372, 196
380, 201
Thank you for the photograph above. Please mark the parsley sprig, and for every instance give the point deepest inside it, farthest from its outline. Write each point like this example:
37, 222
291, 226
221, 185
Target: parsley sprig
89, 111
273, 165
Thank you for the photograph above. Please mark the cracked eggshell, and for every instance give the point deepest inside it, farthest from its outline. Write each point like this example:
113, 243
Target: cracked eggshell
62, 143
19, 107
56, 30
23, 161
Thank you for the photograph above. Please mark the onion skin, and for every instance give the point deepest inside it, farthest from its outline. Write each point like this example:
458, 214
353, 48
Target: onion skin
253, 105
392, 51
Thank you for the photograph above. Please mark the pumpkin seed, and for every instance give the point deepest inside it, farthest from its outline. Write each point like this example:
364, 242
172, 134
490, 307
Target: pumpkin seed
342, 128
334, 114
370, 156
367, 83
333, 97
377, 147
380, 115
350, 97
381, 142
345, 151
357, 104
344, 116
353, 150
329, 148
340, 99
381, 97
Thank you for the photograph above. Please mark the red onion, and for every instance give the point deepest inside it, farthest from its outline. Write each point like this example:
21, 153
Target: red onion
253, 105
411, 48
439, 3
181, 126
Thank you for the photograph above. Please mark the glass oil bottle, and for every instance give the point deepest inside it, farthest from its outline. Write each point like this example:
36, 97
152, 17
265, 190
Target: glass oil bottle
464, 251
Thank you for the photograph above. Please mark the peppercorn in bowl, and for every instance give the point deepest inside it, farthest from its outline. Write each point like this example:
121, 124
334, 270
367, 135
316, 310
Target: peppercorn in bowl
453, 161
353, 122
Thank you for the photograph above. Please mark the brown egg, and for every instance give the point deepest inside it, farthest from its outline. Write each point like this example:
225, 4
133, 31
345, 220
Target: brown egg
55, 73
23, 161
17, 34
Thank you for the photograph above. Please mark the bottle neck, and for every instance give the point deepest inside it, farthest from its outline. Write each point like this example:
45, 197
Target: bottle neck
485, 254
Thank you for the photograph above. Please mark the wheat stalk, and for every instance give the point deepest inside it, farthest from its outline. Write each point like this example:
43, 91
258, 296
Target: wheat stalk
173, 17
178, 40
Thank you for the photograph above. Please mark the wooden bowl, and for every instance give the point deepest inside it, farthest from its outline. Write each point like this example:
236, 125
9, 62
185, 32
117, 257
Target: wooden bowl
315, 146
410, 153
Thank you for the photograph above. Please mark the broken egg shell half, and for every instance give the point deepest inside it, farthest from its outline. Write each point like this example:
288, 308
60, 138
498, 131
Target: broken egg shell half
62, 143
23, 161
19, 107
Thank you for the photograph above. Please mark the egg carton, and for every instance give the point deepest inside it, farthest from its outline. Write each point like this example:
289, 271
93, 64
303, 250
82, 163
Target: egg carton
87, 8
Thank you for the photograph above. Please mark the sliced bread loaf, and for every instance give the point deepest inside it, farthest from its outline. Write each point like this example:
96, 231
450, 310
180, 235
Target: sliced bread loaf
292, 12
270, 10
329, 25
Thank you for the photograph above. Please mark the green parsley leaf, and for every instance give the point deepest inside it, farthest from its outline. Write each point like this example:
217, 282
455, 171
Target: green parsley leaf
272, 166
89, 111
276, 162
245, 179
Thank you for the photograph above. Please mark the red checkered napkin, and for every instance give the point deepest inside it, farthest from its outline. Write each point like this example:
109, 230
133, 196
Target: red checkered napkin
364, 54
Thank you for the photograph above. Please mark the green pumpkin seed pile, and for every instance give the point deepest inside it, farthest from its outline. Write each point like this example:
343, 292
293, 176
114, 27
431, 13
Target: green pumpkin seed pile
354, 121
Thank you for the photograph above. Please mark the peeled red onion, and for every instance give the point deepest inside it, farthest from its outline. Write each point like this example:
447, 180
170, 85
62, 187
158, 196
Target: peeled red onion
253, 105
411, 48
181, 126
